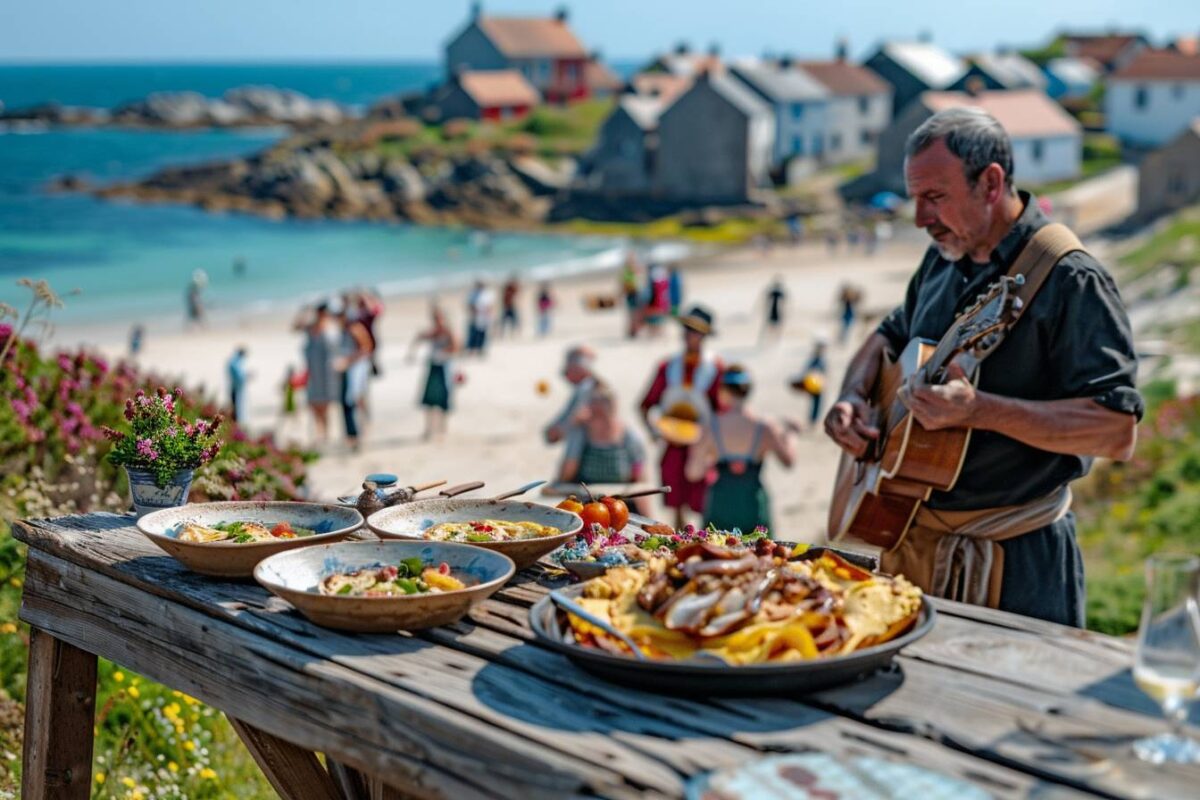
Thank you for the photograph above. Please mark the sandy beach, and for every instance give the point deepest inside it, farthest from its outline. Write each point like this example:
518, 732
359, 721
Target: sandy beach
494, 430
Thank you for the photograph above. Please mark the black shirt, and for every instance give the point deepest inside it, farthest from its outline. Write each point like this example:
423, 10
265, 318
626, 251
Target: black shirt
1073, 341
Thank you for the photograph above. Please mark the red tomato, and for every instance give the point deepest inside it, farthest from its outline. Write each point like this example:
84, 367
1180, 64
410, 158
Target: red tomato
618, 512
283, 531
444, 568
596, 513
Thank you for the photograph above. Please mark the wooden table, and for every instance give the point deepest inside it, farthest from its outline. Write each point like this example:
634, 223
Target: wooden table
1015, 706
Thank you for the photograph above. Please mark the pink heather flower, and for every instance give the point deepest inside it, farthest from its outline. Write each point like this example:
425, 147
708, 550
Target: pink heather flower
189, 428
172, 431
100, 364
20, 381
143, 401
21, 409
129, 410
65, 363
146, 449
74, 409
168, 403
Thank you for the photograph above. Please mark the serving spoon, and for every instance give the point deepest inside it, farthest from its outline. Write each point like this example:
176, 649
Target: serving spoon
567, 604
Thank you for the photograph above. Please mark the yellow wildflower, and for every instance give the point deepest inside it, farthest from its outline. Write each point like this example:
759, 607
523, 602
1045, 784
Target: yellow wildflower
189, 745
171, 765
207, 774
134, 693
8, 627
136, 794
128, 782
100, 778
16, 583
119, 676
176, 693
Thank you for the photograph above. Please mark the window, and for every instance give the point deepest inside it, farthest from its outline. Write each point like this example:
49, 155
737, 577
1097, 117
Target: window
864, 137
864, 104
835, 142
818, 146
797, 110
1177, 91
797, 145
572, 73
1037, 149
1141, 97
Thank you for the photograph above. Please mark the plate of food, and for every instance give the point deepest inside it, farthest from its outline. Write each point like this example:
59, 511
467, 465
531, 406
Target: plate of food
726, 620
383, 587
521, 530
227, 539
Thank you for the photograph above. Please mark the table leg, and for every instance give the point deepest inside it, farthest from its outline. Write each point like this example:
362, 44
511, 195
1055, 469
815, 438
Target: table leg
60, 715
294, 772
355, 785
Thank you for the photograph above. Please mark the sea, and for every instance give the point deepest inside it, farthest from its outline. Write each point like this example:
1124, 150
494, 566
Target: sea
125, 263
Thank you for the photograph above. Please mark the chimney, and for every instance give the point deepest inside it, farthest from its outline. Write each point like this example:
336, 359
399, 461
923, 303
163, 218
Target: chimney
595, 56
561, 15
476, 10
714, 49
682, 49
785, 61
975, 86
841, 49
925, 36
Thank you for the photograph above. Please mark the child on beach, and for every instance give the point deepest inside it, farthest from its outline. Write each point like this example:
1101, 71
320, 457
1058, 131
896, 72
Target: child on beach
545, 308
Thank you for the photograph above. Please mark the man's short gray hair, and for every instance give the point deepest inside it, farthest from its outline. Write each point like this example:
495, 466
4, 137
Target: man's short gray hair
972, 135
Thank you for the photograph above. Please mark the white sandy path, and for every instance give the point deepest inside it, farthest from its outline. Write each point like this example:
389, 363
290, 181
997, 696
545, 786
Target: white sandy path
494, 432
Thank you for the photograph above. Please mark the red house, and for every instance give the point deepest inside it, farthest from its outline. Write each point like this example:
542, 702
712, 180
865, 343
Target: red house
544, 50
487, 95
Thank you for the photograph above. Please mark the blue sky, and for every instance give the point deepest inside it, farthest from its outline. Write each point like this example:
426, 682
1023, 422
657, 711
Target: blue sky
258, 30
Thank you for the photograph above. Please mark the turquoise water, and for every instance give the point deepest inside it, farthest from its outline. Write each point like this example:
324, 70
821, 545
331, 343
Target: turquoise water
133, 262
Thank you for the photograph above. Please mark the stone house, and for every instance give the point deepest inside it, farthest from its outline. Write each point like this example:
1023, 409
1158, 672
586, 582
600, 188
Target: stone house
914, 67
623, 159
1153, 98
489, 95
1169, 177
715, 143
544, 50
1047, 141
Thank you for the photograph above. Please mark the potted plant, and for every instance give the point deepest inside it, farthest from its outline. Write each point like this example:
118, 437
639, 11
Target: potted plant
162, 450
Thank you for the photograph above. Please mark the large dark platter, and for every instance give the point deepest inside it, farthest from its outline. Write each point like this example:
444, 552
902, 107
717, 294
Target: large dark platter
701, 677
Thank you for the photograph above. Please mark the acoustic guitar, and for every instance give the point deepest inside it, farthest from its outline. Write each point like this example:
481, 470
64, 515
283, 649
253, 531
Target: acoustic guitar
877, 495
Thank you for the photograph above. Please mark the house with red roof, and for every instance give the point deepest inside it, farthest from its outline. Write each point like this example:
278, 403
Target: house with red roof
489, 95
1110, 50
1153, 98
543, 49
1047, 141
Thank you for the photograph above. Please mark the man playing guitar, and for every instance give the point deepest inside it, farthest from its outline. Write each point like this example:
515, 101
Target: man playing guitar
1057, 392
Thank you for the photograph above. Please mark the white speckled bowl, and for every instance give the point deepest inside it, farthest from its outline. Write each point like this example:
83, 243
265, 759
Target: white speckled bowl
410, 521
294, 576
224, 560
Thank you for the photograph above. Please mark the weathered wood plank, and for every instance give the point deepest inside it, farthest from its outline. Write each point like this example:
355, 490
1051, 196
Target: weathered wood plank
413, 743
295, 773
60, 713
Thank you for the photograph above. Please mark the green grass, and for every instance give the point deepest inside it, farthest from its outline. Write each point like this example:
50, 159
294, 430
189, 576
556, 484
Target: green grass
554, 130
1178, 243
726, 232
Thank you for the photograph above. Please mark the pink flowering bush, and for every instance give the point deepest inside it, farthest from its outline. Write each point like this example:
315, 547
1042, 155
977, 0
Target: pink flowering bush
160, 440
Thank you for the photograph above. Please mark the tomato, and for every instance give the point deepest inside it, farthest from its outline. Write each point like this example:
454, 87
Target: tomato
571, 504
596, 513
618, 512
283, 531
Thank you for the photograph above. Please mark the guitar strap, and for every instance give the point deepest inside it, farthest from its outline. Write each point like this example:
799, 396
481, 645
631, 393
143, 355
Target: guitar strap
1039, 255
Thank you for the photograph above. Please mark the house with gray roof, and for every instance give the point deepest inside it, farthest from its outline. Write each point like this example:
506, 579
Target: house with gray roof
1002, 70
623, 159
914, 67
715, 143
800, 105
1071, 78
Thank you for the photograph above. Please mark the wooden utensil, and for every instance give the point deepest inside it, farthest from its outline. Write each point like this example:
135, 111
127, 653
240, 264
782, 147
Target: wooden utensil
462, 488
567, 604
643, 493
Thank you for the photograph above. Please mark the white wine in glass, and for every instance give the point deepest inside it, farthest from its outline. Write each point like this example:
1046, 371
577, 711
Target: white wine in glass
1167, 664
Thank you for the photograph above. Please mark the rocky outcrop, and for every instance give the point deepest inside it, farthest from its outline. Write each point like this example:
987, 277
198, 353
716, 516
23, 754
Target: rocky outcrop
242, 107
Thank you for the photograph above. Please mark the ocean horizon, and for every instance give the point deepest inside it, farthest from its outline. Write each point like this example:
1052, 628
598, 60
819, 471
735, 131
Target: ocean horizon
131, 263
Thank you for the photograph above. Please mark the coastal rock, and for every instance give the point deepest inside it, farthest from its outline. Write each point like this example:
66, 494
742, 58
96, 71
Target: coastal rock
402, 181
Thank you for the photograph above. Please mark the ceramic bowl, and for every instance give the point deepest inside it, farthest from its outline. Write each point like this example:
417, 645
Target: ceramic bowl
410, 521
294, 576
224, 560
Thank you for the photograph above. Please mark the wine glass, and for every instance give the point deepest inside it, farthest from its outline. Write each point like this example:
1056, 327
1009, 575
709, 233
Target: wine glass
1167, 664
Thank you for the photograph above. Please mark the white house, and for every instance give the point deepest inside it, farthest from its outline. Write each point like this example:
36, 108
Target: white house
799, 103
1153, 98
1047, 141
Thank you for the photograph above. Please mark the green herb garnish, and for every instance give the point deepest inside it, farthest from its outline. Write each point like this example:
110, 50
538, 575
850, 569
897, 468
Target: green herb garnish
347, 589
410, 567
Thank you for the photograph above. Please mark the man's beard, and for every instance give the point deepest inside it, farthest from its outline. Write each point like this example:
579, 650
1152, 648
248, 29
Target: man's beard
949, 249
949, 252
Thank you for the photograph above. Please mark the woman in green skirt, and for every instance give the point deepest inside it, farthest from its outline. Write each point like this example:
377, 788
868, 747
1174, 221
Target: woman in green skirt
438, 381
735, 446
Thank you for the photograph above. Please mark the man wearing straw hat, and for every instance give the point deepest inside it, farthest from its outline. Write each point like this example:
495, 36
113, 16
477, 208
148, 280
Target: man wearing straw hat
679, 405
